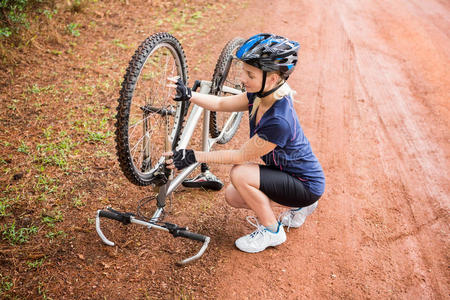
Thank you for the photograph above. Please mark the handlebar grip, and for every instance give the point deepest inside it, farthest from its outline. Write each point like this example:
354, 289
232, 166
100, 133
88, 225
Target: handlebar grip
191, 235
110, 215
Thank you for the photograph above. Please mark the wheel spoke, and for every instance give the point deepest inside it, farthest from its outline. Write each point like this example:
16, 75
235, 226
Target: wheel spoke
147, 118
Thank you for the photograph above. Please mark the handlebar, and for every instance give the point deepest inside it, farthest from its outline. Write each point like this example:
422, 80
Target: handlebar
111, 215
175, 230
190, 235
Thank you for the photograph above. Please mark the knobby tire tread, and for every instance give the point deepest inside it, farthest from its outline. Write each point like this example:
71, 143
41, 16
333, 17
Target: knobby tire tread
125, 97
219, 72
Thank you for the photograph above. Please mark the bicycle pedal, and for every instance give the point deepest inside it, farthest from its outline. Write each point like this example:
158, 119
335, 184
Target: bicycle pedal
205, 180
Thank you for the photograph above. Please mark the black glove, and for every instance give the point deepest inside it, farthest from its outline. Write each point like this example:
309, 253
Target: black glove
183, 92
183, 158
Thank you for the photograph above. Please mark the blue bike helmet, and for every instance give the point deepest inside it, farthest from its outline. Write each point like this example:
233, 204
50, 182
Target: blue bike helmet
269, 53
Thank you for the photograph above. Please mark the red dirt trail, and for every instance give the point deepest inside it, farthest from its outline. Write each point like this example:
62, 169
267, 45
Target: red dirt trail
373, 89
373, 98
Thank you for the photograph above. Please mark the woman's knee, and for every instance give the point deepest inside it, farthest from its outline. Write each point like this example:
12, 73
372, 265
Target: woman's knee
231, 195
235, 173
244, 174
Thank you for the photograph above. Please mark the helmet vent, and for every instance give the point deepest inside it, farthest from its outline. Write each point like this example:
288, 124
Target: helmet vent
270, 53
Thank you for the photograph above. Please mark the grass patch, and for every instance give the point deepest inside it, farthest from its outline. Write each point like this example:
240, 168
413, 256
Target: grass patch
15, 15
23, 148
98, 137
5, 204
17, 236
51, 235
72, 29
51, 218
119, 44
6, 284
54, 153
35, 89
35, 264
45, 184
77, 201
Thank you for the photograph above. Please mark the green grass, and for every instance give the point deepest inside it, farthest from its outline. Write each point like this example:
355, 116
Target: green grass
55, 152
6, 285
54, 234
35, 89
77, 201
17, 236
42, 291
5, 204
49, 13
88, 89
103, 153
51, 219
117, 43
18, 15
98, 137
47, 132
23, 148
35, 264
72, 29
45, 184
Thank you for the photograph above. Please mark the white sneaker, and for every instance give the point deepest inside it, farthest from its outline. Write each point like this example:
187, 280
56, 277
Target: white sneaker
296, 217
261, 238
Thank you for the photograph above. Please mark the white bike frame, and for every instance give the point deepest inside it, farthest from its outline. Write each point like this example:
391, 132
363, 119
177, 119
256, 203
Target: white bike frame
166, 189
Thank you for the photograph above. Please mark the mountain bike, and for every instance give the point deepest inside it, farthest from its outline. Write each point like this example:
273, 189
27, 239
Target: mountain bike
149, 123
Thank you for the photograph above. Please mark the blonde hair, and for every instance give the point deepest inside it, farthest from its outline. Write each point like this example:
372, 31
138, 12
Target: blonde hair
284, 90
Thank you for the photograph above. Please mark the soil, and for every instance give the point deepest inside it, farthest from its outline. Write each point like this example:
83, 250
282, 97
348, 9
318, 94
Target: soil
373, 88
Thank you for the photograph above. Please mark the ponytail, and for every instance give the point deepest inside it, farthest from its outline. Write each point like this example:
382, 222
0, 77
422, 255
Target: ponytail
284, 90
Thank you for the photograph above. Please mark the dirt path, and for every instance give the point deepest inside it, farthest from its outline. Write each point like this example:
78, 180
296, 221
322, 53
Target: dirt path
373, 89
373, 85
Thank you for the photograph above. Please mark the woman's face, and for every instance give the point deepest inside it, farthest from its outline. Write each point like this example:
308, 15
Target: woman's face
252, 79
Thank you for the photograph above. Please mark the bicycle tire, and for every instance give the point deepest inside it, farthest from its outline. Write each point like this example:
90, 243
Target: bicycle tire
144, 103
226, 73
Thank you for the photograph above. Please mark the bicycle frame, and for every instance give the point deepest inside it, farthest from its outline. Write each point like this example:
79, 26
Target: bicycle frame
207, 142
166, 189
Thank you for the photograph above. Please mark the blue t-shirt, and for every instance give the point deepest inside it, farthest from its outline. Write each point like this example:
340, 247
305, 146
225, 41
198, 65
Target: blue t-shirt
293, 153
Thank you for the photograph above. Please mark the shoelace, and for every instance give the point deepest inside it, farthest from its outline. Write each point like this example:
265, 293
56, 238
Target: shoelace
287, 213
259, 228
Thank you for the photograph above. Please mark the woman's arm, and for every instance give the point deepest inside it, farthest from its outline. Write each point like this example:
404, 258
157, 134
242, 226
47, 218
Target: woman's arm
215, 103
209, 102
252, 149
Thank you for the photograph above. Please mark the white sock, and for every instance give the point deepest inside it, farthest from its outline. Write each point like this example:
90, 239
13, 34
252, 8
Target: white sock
273, 227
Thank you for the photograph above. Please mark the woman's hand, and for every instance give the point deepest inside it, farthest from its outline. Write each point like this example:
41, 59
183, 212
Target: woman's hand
180, 159
183, 93
169, 160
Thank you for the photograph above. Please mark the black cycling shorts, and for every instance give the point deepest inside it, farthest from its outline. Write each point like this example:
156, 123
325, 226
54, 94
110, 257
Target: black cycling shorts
284, 188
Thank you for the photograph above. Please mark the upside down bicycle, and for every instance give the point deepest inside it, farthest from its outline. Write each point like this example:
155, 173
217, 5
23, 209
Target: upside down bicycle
149, 123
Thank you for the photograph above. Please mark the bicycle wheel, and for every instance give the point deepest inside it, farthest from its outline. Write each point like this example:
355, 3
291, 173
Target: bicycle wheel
226, 81
148, 121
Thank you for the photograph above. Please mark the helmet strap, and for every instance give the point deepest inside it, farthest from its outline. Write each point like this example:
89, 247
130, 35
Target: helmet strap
260, 94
